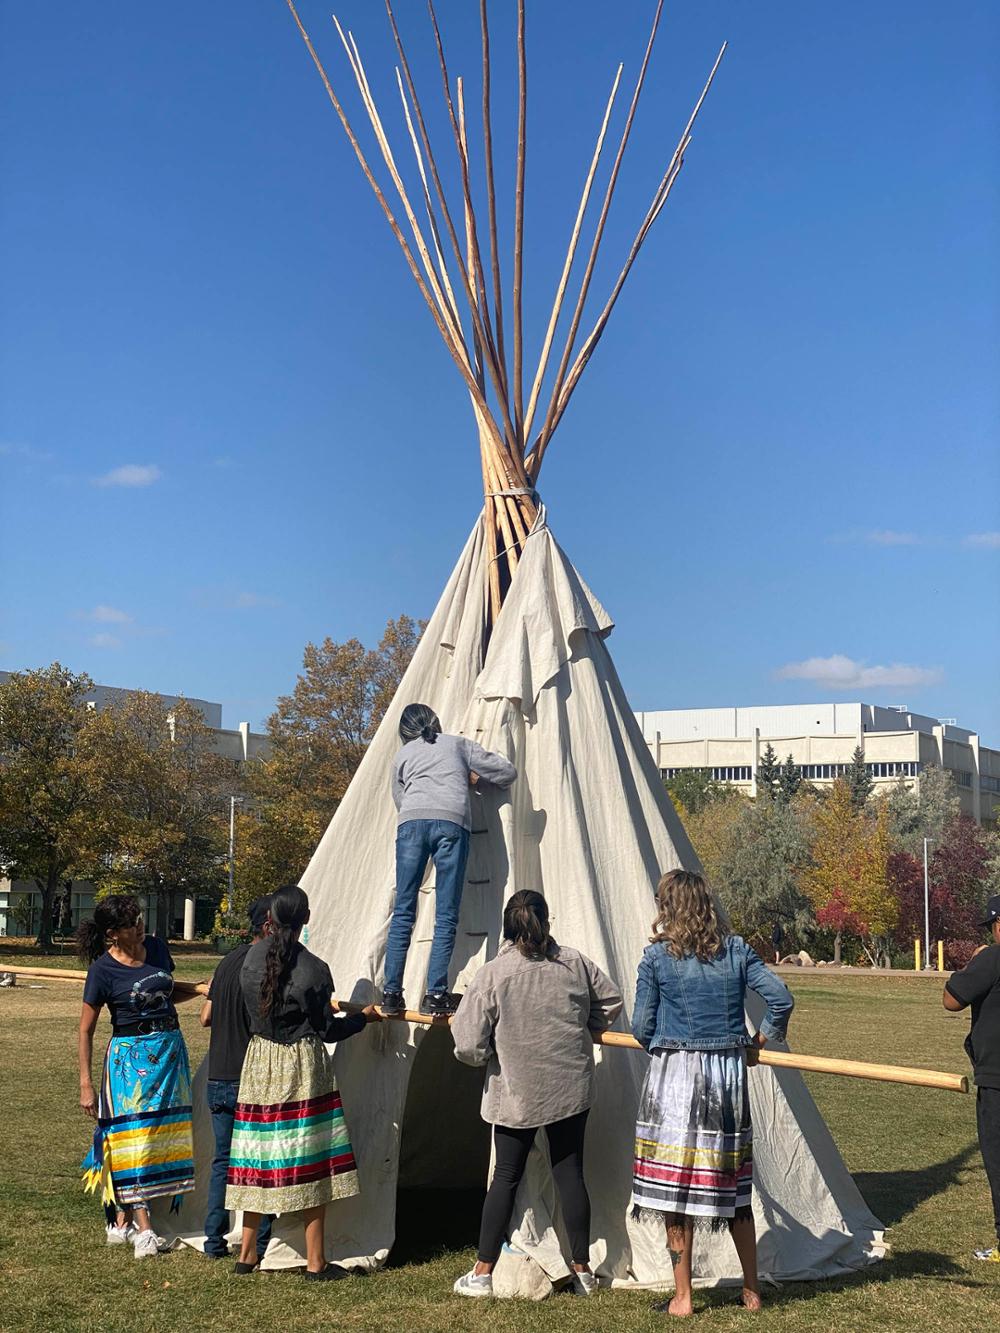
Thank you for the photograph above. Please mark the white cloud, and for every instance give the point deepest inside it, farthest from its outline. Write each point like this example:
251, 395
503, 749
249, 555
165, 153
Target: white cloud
24, 452
244, 600
986, 541
105, 615
887, 537
220, 598
130, 475
105, 641
844, 673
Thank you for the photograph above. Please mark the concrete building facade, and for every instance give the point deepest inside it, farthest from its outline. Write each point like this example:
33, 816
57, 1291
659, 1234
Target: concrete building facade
821, 739
20, 902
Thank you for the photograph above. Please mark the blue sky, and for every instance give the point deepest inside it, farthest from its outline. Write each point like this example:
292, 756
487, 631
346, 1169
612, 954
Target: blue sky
227, 425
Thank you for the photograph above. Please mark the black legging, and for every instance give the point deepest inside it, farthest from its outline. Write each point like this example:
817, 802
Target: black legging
566, 1153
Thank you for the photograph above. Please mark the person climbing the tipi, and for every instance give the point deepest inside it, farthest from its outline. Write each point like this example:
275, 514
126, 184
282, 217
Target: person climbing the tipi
432, 778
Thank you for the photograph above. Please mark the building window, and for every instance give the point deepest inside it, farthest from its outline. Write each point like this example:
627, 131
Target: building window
963, 779
989, 783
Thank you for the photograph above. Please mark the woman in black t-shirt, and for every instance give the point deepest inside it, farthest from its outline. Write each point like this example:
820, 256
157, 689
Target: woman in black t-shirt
142, 1146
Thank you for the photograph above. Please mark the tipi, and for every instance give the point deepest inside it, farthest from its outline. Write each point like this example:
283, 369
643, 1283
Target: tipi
515, 656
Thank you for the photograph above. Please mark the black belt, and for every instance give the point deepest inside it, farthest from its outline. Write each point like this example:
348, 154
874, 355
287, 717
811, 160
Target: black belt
146, 1028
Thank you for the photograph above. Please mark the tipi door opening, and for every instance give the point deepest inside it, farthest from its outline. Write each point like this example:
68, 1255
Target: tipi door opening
444, 1154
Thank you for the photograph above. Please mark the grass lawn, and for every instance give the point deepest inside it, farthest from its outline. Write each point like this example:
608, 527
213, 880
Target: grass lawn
913, 1153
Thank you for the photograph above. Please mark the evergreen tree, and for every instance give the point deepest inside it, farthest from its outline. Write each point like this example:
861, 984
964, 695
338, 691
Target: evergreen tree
692, 789
790, 780
758, 865
923, 811
859, 780
768, 772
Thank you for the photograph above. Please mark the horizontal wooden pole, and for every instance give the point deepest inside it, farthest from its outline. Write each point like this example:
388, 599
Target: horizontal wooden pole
815, 1064
822, 1064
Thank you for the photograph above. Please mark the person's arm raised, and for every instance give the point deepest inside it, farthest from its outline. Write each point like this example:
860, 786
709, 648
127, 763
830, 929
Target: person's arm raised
489, 767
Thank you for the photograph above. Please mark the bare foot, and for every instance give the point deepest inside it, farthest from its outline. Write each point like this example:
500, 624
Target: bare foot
676, 1307
751, 1300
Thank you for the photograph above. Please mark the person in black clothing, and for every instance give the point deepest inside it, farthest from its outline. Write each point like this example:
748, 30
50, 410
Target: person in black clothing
226, 1014
978, 985
291, 1151
777, 935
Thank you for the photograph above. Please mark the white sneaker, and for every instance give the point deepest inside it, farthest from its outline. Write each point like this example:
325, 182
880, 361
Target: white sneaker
474, 1284
584, 1284
123, 1235
148, 1244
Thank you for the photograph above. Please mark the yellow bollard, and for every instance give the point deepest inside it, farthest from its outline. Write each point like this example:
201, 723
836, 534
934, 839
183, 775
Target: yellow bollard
916, 955
940, 955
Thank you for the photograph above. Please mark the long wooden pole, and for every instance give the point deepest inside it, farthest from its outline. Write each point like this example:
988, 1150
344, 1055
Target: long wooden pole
595, 246
655, 208
491, 194
543, 360
414, 268
522, 113
817, 1064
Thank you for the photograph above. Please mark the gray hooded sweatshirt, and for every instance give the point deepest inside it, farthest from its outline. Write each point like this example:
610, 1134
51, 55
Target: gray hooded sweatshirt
432, 781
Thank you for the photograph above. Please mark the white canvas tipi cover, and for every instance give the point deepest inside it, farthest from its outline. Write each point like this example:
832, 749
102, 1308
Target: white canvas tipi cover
589, 824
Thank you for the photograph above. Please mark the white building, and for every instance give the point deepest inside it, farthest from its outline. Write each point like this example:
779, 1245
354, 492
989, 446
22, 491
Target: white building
821, 739
20, 901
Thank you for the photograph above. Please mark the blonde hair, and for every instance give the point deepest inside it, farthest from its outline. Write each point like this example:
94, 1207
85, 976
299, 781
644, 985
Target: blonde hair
687, 918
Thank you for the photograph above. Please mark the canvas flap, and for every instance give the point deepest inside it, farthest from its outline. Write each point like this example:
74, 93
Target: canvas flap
547, 605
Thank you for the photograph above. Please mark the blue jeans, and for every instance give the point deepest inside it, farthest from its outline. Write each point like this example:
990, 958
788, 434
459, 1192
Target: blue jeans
448, 845
221, 1095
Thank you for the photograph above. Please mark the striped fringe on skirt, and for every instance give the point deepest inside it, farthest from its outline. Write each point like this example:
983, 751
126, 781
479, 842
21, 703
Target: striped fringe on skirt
143, 1148
694, 1139
290, 1149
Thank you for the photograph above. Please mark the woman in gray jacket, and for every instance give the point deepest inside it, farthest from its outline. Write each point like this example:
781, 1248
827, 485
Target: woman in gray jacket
535, 996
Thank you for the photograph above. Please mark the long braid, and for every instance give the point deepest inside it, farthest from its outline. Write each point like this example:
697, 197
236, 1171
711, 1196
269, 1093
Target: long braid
289, 913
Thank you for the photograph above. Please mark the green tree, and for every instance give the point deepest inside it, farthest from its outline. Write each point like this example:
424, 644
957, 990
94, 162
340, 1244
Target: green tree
874, 899
768, 772
759, 868
163, 795
49, 808
711, 829
922, 811
859, 780
790, 780
691, 789
836, 853
318, 736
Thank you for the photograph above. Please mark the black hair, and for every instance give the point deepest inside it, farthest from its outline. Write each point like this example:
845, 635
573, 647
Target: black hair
289, 913
111, 913
526, 924
419, 720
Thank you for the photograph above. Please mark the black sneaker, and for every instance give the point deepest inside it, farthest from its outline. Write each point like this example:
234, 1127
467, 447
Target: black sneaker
331, 1273
392, 1002
440, 1004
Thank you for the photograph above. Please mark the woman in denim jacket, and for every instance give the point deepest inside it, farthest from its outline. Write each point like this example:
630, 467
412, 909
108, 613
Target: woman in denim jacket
694, 1139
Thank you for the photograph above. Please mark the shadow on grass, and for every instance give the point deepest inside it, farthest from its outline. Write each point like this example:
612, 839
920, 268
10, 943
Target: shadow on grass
430, 1222
914, 1265
892, 1195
